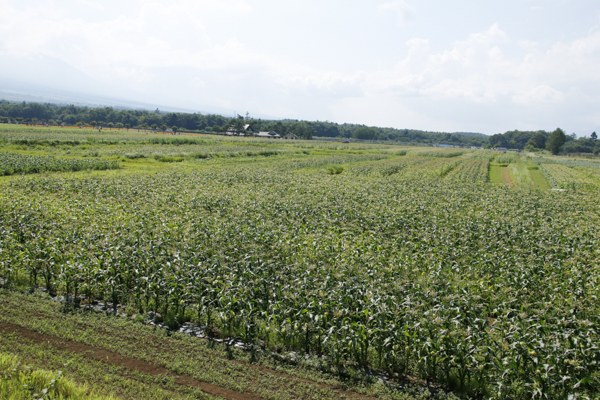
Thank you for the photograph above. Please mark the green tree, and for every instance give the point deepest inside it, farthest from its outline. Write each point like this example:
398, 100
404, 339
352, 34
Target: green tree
79, 124
163, 128
154, 126
498, 140
93, 123
594, 136
538, 140
119, 125
100, 124
174, 128
237, 126
556, 140
110, 125
127, 126
302, 130
364, 133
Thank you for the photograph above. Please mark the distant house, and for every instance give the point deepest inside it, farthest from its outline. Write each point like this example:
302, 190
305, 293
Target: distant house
291, 136
502, 149
268, 135
232, 132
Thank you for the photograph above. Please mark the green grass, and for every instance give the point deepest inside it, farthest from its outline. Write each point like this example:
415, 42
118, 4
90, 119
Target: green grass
20, 382
539, 179
522, 172
520, 175
496, 174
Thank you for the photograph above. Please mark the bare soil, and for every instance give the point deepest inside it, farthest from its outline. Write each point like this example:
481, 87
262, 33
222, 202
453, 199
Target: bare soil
506, 176
123, 362
151, 369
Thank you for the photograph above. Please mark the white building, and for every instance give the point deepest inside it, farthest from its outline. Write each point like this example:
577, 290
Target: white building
291, 136
246, 130
268, 135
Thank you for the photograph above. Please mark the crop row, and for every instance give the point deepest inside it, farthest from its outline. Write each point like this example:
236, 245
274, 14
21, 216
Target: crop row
471, 170
565, 177
15, 163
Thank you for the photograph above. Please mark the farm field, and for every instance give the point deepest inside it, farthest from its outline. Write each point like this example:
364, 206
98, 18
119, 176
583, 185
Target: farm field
309, 270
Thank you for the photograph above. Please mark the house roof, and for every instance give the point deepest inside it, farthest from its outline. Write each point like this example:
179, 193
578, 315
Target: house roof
268, 134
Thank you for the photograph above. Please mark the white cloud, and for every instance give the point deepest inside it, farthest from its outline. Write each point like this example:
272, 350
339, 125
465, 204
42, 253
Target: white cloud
469, 70
404, 12
476, 70
539, 95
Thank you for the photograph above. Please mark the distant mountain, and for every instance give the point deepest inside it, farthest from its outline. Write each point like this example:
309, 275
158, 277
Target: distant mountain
45, 79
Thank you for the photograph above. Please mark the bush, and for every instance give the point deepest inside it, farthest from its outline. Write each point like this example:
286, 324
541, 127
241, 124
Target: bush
335, 169
168, 159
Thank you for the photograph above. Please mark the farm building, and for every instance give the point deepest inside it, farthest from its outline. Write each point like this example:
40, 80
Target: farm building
268, 135
232, 132
291, 136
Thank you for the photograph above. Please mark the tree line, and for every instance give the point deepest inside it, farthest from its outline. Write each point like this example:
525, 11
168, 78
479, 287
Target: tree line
213, 123
555, 142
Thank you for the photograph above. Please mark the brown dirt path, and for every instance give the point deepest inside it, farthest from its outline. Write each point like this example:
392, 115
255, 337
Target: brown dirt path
151, 369
122, 361
506, 176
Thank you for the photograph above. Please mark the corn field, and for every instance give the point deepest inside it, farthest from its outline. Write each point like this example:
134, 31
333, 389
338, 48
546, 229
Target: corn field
15, 163
414, 265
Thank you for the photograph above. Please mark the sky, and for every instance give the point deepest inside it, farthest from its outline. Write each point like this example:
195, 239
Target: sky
443, 65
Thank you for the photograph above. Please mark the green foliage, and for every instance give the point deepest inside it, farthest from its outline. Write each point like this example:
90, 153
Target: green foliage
538, 140
555, 141
364, 133
517, 139
168, 159
15, 163
581, 145
335, 169
217, 123
506, 159
19, 382
414, 265
447, 154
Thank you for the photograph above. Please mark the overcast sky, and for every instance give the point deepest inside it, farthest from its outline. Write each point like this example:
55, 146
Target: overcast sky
448, 65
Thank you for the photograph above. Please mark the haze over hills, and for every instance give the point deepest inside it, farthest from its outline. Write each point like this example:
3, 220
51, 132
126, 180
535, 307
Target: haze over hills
44, 79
